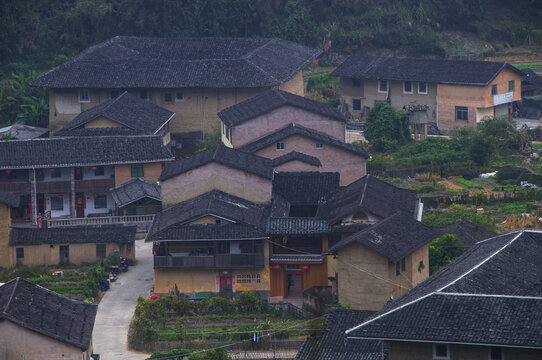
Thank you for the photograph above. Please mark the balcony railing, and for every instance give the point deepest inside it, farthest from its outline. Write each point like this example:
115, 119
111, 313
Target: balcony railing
52, 186
220, 261
129, 219
94, 184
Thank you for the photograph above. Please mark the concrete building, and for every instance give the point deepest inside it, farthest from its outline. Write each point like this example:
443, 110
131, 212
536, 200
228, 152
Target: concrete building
37, 323
193, 77
456, 93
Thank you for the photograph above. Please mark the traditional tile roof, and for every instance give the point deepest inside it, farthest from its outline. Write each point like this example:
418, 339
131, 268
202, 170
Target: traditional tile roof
394, 237
134, 190
457, 72
294, 155
72, 235
23, 132
467, 233
140, 116
223, 155
47, 313
181, 232
214, 203
109, 131
331, 344
271, 100
296, 226
82, 151
9, 199
138, 62
372, 195
297, 257
305, 187
487, 296
294, 129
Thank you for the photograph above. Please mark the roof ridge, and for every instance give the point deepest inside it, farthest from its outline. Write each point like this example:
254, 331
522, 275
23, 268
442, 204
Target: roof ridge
12, 293
489, 295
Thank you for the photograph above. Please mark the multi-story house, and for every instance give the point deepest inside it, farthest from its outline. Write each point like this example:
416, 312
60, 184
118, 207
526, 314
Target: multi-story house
297, 133
454, 93
481, 306
193, 77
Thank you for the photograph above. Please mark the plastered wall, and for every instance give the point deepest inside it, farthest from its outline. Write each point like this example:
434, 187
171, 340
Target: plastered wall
151, 172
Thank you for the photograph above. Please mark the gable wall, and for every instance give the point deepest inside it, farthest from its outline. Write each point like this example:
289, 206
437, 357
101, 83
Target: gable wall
295, 85
208, 220
214, 176
349, 165
279, 118
151, 172
17, 342
296, 165
102, 122
411, 276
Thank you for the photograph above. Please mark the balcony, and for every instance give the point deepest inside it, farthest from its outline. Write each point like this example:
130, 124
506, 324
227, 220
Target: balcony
220, 261
19, 187
98, 184
102, 220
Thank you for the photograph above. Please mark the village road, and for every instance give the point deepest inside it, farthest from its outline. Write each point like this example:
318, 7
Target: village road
116, 310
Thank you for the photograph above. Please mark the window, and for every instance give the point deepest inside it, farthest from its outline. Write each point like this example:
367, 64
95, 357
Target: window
319, 146
144, 94
400, 266
100, 202
493, 89
99, 171
403, 264
137, 170
397, 269
20, 253
280, 146
356, 82
56, 173
422, 87
511, 85
382, 86
100, 251
495, 353
57, 202
179, 96
462, 113
407, 87
441, 352
356, 104
114, 94
168, 97
84, 96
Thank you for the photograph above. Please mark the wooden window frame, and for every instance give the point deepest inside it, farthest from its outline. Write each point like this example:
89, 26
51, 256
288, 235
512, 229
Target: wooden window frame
462, 110
354, 101
100, 197
83, 99
280, 146
380, 91
494, 89
137, 170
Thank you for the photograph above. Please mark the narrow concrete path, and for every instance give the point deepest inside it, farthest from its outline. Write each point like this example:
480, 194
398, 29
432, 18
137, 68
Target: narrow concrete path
116, 310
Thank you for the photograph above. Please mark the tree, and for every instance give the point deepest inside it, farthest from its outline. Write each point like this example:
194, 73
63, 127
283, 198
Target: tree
443, 251
386, 128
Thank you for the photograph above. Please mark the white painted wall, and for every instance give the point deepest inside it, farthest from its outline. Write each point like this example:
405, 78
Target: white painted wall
88, 173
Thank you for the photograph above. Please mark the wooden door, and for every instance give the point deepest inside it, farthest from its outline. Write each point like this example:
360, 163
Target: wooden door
293, 284
64, 255
226, 286
80, 205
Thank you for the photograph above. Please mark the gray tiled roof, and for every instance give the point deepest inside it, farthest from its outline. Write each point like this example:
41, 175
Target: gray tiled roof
488, 295
47, 313
138, 62
331, 344
457, 72
375, 196
296, 226
294, 155
24, 132
297, 257
9, 199
271, 100
467, 233
394, 237
140, 116
133, 190
73, 235
305, 187
213, 203
294, 129
224, 155
82, 151
180, 232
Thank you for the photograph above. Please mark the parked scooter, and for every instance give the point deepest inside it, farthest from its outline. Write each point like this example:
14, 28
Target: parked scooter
123, 264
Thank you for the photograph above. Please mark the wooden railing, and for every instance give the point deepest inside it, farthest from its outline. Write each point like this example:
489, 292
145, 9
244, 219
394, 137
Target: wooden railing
220, 261
129, 219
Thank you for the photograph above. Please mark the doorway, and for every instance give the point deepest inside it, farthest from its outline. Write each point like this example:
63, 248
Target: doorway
293, 284
64, 255
80, 205
226, 286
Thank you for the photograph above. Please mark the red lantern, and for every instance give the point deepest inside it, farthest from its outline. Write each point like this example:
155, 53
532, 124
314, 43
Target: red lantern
52, 170
305, 267
60, 196
94, 195
276, 267
8, 172
94, 168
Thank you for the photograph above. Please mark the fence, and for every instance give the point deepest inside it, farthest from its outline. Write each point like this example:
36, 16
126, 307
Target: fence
129, 219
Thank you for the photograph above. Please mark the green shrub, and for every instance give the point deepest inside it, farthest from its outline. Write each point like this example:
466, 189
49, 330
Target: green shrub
509, 173
250, 303
216, 305
443, 251
510, 182
468, 183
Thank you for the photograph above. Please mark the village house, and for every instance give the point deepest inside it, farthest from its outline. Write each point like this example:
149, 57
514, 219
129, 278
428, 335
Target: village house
68, 179
214, 243
37, 323
8, 201
72, 245
297, 133
193, 77
137, 197
220, 168
481, 306
125, 115
455, 93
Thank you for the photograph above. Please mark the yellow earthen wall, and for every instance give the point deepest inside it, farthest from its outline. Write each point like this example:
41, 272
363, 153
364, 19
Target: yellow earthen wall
151, 172
5, 258
295, 85
17, 343
102, 122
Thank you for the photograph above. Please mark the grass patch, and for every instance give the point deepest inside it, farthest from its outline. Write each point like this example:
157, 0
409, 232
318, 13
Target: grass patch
529, 65
484, 181
468, 183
